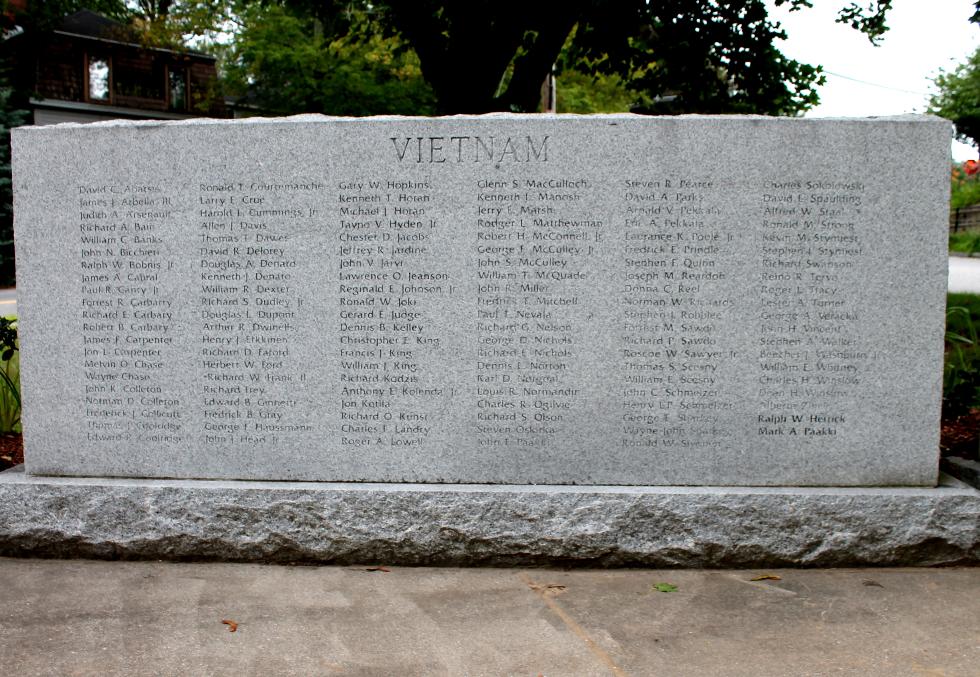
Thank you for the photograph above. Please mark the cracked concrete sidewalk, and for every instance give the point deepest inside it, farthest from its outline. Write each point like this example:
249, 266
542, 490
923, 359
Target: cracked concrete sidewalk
81, 617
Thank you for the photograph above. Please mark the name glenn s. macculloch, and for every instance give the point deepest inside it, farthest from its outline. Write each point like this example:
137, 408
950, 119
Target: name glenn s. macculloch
434, 149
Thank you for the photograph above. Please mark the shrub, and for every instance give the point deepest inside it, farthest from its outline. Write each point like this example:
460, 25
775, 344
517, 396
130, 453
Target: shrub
964, 186
9, 376
965, 242
961, 373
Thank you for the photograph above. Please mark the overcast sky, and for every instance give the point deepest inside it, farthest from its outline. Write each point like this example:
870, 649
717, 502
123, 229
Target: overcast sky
893, 78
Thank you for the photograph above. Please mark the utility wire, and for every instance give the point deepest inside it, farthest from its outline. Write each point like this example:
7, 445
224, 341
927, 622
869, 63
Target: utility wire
875, 84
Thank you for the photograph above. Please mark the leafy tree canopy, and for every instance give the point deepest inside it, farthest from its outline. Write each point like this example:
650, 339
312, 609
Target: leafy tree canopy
164, 23
669, 56
42, 15
675, 55
285, 61
175, 23
959, 99
10, 117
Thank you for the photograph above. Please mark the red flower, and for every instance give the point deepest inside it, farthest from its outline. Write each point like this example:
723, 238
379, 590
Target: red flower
971, 167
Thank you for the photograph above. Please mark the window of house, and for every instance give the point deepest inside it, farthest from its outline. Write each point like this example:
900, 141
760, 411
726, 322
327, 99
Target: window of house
177, 88
98, 79
138, 79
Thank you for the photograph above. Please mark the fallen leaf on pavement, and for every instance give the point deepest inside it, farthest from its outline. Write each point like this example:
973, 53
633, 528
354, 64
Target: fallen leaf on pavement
232, 625
384, 569
664, 587
871, 584
545, 587
767, 577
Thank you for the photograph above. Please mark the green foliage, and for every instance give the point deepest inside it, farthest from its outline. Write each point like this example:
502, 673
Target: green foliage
961, 373
156, 23
176, 23
359, 57
43, 15
582, 93
367, 56
965, 242
9, 376
579, 91
702, 57
284, 62
676, 56
870, 21
964, 189
958, 99
10, 117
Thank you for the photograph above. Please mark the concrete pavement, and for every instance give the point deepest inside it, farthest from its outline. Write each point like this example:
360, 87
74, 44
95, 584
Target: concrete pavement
964, 274
125, 618
8, 302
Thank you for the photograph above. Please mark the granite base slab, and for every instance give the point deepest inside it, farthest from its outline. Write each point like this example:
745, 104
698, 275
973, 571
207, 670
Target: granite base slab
280, 522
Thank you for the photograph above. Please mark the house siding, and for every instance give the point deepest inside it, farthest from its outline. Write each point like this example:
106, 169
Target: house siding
138, 75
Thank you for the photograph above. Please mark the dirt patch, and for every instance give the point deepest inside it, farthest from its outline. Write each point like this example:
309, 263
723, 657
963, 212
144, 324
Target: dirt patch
11, 450
961, 436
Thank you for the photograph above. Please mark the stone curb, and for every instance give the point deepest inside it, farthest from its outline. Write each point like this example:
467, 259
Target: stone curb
488, 524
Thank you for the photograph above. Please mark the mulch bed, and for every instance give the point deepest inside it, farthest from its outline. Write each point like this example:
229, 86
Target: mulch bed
961, 436
11, 450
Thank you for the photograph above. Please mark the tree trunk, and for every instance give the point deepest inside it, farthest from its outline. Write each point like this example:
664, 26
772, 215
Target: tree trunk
465, 49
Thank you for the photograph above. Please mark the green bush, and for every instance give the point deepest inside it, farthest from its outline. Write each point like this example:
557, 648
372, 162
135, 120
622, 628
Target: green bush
9, 376
964, 188
961, 373
965, 242
9, 118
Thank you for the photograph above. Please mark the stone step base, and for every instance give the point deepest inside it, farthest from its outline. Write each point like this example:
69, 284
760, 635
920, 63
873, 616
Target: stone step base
414, 524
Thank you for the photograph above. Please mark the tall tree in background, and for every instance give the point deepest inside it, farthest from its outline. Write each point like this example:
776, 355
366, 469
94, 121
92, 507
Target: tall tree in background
351, 56
699, 56
676, 55
10, 117
42, 15
284, 60
958, 99
177, 23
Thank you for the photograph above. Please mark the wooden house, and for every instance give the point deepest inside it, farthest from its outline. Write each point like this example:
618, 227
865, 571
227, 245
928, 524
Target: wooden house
91, 68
